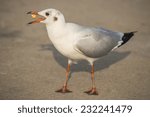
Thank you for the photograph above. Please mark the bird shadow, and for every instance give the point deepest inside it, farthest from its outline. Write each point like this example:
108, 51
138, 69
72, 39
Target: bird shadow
103, 63
8, 33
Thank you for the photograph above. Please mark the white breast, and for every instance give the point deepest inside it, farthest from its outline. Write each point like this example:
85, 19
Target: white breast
64, 44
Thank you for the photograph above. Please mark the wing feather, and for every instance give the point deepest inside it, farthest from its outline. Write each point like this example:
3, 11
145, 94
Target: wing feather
97, 42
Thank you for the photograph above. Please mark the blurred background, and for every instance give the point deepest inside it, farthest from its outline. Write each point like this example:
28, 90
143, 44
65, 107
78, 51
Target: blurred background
31, 68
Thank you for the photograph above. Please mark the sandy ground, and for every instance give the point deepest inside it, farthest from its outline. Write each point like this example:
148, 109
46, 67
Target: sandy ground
31, 68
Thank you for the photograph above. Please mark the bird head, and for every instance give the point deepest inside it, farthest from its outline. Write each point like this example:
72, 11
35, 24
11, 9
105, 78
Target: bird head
48, 16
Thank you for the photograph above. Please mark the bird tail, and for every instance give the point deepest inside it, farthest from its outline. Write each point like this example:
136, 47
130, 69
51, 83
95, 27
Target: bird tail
126, 37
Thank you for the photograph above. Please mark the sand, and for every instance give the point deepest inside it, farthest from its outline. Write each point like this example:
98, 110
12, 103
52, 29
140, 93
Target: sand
31, 68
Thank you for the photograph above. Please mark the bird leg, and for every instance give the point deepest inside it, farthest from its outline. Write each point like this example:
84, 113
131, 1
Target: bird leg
64, 89
92, 91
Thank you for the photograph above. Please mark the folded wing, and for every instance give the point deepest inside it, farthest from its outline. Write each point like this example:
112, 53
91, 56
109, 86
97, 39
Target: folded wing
97, 42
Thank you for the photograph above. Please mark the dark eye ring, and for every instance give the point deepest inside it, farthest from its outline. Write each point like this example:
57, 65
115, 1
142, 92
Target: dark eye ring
47, 14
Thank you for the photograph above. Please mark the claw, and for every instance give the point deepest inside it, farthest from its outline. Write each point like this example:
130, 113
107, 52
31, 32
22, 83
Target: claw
88, 91
92, 92
63, 90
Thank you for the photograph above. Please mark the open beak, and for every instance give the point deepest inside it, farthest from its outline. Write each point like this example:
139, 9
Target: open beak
38, 18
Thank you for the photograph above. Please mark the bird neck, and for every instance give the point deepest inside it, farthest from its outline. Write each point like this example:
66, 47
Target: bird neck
56, 30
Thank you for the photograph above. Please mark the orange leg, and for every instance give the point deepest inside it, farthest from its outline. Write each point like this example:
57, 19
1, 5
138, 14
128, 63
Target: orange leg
64, 88
93, 90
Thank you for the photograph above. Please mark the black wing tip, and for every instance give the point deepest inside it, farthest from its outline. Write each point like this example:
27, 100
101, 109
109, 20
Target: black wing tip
134, 31
130, 33
127, 36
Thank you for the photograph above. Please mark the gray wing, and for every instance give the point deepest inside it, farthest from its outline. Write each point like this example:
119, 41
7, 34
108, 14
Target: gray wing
97, 42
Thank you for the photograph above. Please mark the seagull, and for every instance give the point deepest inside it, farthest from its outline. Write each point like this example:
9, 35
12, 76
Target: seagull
78, 42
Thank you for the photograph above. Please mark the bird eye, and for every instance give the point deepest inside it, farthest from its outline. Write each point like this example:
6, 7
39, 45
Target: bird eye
47, 14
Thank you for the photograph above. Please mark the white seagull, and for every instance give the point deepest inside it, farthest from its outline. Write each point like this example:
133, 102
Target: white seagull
78, 42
